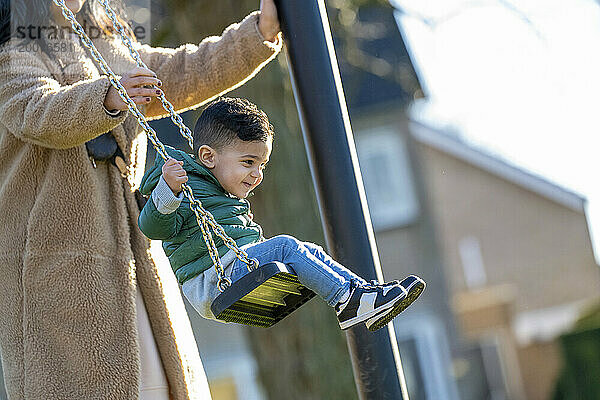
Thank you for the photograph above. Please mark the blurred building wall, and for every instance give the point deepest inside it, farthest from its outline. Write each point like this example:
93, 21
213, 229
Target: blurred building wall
515, 252
531, 233
523, 233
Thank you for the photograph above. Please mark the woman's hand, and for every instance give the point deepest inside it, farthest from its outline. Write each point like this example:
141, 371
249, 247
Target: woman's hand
268, 24
134, 82
174, 174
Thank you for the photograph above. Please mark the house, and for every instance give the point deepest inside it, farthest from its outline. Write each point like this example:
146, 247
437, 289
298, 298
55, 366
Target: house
514, 253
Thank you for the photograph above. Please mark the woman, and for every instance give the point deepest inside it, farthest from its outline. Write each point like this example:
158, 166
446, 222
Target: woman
78, 289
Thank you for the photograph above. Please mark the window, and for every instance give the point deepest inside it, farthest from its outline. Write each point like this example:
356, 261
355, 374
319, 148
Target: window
479, 371
472, 262
387, 176
425, 354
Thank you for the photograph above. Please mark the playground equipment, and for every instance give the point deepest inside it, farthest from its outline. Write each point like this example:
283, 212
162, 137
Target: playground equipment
268, 293
325, 124
334, 165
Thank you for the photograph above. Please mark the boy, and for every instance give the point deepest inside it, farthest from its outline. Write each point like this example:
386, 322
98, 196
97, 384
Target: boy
232, 145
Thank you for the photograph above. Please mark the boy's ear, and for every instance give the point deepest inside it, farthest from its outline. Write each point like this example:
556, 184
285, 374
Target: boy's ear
206, 155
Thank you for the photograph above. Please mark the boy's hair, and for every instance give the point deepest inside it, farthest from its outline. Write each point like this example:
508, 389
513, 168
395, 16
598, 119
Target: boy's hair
227, 119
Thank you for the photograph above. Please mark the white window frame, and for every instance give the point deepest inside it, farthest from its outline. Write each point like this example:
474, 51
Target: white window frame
391, 192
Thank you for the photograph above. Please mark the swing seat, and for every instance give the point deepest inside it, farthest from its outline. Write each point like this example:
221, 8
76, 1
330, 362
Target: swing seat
262, 297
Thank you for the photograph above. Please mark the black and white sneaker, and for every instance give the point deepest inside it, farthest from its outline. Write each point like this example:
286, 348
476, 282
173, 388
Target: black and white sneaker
413, 286
369, 301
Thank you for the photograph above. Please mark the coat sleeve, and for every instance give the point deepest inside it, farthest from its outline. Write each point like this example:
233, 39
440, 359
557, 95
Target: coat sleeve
194, 74
38, 109
158, 226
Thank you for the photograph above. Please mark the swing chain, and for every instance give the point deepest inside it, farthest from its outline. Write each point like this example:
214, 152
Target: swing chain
176, 118
205, 219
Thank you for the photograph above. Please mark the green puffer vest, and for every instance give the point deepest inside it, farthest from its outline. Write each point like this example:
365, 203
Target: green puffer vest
179, 231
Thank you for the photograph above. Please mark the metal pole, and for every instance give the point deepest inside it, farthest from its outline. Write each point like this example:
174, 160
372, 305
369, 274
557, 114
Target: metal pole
338, 183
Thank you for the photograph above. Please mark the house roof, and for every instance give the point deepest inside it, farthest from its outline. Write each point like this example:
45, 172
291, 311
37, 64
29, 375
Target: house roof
374, 63
458, 148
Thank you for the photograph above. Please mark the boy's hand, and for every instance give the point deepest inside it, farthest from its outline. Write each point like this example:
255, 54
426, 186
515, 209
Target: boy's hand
174, 174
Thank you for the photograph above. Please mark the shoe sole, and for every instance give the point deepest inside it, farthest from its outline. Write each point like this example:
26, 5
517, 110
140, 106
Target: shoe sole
364, 317
414, 291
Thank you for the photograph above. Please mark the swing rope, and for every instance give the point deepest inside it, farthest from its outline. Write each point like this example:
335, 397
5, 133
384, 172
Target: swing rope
205, 219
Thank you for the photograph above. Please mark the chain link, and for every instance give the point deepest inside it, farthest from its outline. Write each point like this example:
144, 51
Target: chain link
177, 120
205, 219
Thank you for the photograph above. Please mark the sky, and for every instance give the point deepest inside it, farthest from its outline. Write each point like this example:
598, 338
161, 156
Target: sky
517, 79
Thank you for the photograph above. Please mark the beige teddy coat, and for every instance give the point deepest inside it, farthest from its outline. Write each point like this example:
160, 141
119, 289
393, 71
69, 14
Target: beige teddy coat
71, 253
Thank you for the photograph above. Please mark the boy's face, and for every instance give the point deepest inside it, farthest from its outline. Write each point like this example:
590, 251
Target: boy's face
238, 166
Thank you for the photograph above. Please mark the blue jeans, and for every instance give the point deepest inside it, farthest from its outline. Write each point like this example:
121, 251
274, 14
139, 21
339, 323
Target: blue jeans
314, 268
